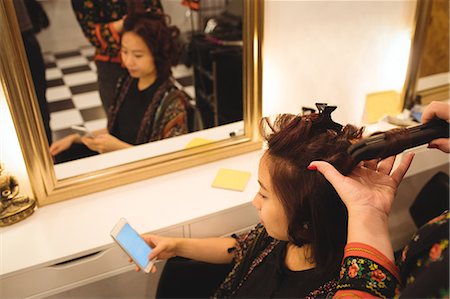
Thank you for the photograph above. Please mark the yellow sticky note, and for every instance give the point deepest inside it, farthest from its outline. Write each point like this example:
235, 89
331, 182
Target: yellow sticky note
380, 104
198, 141
231, 179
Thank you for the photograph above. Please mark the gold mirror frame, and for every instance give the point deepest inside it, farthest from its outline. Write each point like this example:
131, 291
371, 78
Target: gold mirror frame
421, 20
19, 91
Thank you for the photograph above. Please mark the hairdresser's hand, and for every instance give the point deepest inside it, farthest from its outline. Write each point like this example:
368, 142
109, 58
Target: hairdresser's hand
63, 144
163, 248
118, 25
104, 143
368, 193
442, 111
370, 187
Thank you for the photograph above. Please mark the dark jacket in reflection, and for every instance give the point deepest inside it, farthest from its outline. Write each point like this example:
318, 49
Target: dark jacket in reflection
155, 113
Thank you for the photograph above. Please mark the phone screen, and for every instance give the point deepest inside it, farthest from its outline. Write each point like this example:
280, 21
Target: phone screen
130, 240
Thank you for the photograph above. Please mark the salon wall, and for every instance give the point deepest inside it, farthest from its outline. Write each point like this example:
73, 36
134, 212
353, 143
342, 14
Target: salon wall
13, 163
335, 52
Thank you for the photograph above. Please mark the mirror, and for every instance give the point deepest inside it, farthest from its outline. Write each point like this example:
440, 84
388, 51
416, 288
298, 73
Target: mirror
428, 74
54, 183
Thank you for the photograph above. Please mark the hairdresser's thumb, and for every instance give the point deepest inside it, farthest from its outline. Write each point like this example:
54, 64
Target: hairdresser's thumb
328, 171
442, 143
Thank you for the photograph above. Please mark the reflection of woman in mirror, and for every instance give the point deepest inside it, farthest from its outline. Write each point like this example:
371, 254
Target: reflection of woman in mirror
297, 249
147, 105
102, 23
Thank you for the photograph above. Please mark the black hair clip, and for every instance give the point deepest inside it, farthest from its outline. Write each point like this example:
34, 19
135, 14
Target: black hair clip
324, 121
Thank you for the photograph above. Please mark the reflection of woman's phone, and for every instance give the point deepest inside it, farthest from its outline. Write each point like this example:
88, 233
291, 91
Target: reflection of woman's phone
132, 244
82, 131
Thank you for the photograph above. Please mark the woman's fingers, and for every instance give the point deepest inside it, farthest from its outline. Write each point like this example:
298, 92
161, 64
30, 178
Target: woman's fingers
328, 171
442, 143
400, 171
385, 165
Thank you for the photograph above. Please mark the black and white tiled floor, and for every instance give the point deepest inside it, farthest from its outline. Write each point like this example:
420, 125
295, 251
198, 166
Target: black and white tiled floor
72, 92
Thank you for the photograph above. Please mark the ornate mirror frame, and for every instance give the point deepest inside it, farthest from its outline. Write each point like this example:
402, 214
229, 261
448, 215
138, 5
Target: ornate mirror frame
21, 99
421, 20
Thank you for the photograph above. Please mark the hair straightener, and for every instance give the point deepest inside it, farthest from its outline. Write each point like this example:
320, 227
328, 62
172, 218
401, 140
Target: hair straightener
382, 145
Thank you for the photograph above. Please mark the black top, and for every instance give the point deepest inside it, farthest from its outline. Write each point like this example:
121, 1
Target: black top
132, 111
272, 279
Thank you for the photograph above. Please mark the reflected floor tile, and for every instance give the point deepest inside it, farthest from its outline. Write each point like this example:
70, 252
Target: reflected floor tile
87, 51
186, 81
65, 119
96, 124
87, 100
84, 88
58, 93
93, 66
190, 90
67, 54
181, 70
80, 78
50, 65
71, 62
93, 113
53, 73
76, 69
48, 57
55, 82
60, 105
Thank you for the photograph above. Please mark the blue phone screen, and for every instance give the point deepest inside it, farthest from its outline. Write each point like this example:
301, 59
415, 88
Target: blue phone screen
134, 245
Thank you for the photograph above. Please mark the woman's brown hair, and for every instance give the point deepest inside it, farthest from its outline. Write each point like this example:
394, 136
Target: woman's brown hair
161, 38
316, 215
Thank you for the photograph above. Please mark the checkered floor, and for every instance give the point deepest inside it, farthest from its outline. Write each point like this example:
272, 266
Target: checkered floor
72, 92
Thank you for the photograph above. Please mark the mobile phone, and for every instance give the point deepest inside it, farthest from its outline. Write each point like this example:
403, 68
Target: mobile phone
82, 131
130, 241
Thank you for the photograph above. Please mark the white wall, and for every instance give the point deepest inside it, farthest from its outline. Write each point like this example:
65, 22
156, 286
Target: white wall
333, 51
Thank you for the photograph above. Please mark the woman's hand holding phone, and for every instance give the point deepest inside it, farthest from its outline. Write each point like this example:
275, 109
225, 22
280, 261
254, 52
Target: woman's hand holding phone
82, 131
130, 241
104, 143
162, 248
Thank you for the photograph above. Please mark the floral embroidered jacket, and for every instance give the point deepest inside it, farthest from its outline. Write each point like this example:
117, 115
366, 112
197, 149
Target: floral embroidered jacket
95, 17
423, 270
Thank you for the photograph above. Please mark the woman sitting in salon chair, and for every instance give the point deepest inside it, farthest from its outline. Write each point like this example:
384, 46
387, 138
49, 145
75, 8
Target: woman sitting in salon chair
147, 106
297, 248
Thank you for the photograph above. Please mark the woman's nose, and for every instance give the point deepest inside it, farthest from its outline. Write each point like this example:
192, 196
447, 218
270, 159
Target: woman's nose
128, 61
255, 201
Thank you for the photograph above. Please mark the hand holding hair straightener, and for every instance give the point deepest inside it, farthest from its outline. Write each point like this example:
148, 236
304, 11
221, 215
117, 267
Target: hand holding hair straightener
395, 141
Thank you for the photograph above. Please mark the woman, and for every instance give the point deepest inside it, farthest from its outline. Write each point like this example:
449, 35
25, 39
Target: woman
368, 269
102, 23
297, 249
147, 105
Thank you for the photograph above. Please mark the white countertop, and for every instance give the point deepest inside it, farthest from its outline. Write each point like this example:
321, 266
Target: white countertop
80, 226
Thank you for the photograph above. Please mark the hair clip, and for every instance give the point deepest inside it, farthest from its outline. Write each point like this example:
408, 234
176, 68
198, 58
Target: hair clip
324, 121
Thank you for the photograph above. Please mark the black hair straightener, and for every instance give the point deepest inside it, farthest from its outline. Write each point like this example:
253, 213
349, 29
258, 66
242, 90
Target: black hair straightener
379, 147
